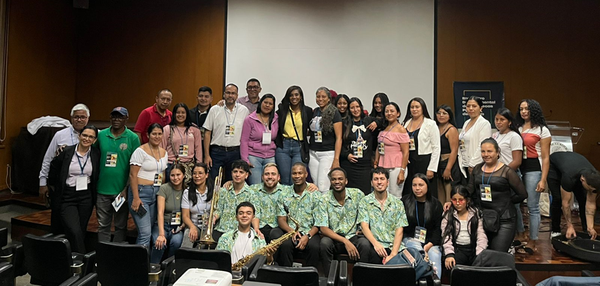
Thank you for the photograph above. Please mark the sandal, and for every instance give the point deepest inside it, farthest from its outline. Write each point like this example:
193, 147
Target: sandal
525, 250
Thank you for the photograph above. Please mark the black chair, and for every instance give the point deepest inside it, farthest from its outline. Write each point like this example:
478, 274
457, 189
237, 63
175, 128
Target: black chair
296, 276
7, 276
49, 261
3, 236
88, 280
250, 270
126, 264
376, 274
490, 276
186, 258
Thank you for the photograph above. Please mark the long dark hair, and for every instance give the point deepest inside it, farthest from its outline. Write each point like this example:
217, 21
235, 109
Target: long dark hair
349, 120
188, 121
384, 101
410, 200
423, 108
505, 112
450, 231
192, 197
285, 101
259, 111
385, 122
345, 97
536, 115
181, 168
450, 114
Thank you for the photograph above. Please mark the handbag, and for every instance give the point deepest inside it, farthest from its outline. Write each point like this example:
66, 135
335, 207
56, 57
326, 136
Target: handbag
303, 144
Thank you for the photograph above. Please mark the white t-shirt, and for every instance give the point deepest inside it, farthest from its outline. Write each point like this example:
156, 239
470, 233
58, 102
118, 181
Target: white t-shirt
149, 167
508, 143
242, 246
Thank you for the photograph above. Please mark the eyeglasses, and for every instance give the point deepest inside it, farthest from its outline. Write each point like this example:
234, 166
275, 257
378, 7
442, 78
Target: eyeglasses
91, 137
79, 118
458, 201
254, 87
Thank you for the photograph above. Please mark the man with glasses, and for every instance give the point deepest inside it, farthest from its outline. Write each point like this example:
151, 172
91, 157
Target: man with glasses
223, 131
253, 90
69, 136
116, 144
157, 113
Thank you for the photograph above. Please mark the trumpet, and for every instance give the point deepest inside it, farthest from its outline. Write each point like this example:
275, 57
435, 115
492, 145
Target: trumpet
207, 231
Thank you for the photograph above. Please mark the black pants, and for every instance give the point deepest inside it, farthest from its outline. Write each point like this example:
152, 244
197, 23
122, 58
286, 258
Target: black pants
266, 231
464, 254
286, 252
75, 211
556, 207
371, 255
330, 249
502, 240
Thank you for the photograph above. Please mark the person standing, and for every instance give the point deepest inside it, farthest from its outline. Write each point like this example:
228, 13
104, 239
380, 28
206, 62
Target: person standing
183, 142
449, 175
116, 144
223, 131
198, 114
157, 113
474, 131
253, 90
74, 174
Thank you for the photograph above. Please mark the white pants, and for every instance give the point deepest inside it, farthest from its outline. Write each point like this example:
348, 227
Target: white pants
394, 188
319, 165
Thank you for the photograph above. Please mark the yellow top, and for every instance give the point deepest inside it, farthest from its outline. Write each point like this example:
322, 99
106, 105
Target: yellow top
288, 130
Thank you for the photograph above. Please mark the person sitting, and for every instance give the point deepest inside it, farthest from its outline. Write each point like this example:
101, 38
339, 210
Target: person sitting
243, 240
462, 233
195, 204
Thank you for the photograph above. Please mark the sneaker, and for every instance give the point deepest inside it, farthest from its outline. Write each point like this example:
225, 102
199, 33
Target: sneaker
555, 234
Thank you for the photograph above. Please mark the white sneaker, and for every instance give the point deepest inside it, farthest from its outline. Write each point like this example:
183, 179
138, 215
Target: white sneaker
554, 234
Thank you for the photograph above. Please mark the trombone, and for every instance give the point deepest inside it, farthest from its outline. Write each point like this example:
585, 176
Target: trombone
207, 231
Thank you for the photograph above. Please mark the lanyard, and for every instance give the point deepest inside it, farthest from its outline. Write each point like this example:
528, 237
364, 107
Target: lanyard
358, 133
417, 211
490, 177
159, 160
73, 140
175, 199
227, 115
205, 203
181, 136
409, 125
79, 160
386, 133
265, 124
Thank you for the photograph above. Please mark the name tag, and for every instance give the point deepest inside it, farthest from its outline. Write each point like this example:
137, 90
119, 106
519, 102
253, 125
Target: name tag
358, 151
486, 192
82, 183
266, 138
461, 144
111, 159
158, 179
524, 152
200, 223
420, 234
176, 218
229, 130
318, 136
380, 148
183, 150
411, 144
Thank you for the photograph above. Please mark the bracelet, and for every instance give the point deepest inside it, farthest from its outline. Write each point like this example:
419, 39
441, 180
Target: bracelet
402, 169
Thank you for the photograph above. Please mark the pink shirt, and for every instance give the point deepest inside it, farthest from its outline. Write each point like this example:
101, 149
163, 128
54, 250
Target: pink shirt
193, 140
393, 153
252, 135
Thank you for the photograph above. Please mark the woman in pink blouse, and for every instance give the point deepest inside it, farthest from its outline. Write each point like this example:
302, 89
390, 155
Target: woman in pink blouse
183, 142
258, 137
392, 149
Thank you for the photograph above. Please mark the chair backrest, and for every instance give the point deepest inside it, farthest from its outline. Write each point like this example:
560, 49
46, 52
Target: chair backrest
47, 259
186, 258
489, 276
288, 276
3, 237
122, 264
376, 274
7, 276
88, 280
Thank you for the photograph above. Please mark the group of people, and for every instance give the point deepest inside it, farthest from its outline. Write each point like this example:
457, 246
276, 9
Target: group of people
433, 190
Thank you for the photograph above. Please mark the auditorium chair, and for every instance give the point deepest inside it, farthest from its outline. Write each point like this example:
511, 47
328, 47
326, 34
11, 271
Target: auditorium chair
49, 260
367, 274
489, 276
12, 252
297, 276
88, 280
3, 237
126, 264
7, 276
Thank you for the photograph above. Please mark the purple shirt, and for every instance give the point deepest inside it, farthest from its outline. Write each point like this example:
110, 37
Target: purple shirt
245, 101
252, 135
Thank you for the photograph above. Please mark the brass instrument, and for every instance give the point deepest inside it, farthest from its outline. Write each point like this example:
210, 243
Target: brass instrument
207, 231
264, 250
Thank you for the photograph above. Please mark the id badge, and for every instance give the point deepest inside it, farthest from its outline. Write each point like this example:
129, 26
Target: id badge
411, 144
82, 183
111, 159
358, 151
183, 150
318, 136
486, 192
158, 178
175, 218
229, 130
461, 144
266, 139
420, 234
200, 220
524, 152
380, 148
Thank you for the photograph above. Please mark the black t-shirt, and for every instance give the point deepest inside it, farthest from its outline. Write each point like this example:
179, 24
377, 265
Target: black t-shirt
567, 167
506, 189
351, 142
328, 138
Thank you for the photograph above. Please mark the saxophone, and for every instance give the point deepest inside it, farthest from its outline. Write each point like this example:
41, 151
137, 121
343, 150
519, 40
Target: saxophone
263, 251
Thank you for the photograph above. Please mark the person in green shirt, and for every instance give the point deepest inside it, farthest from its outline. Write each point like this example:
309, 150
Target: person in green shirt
232, 196
243, 240
338, 219
267, 193
116, 144
382, 219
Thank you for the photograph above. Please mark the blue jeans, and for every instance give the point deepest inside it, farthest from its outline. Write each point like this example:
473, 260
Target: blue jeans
286, 157
571, 281
144, 224
259, 163
173, 242
530, 180
434, 253
222, 158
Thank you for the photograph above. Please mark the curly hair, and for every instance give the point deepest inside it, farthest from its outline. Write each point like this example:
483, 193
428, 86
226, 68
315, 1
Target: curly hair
536, 116
327, 113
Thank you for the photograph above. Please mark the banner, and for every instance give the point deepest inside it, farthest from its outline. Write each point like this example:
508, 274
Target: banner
492, 93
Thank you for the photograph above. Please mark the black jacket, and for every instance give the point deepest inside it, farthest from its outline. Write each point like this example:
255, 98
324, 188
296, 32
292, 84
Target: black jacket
307, 115
59, 171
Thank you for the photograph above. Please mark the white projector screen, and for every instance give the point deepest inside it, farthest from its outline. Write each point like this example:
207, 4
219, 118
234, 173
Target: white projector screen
356, 47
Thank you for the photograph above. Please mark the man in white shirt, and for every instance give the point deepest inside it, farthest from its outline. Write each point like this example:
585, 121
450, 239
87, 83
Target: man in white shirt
223, 130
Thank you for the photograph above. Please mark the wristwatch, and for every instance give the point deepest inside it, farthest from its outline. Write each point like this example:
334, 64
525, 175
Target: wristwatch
309, 236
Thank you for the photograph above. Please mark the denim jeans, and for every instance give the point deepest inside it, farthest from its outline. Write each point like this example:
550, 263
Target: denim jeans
434, 253
222, 158
259, 163
173, 242
530, 180
286, 157
318, 166
144, 224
